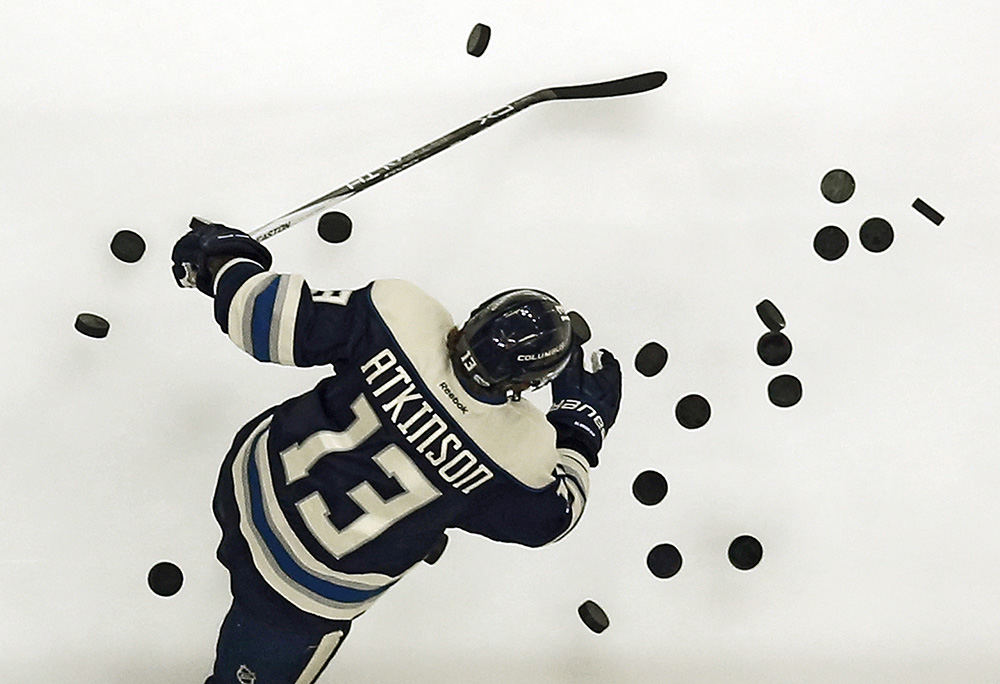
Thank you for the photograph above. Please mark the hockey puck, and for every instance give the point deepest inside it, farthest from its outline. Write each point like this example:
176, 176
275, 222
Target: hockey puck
745, 552
830, 243
928, 212
774, 348
128, 246
770, 316
876, 235
92, 325
837, 186
479, 38
593, 616
664, 561
581, 331
165, 579
649, 487
651, 359
693, 411
784, 391
435, 553
334, 226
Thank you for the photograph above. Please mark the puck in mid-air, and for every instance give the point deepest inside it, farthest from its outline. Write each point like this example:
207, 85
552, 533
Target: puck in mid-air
593, 616
830, 243
664, 561
693, 411
784, 391
770, 316
479, 38
774, 348
837, 186
92, 325
876, 235
334, 226
651, 359
128, 246
165, 579
435, 553
581, 331
649, 487
928, 211
745, 552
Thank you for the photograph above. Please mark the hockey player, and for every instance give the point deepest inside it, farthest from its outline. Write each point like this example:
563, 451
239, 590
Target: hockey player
328, 499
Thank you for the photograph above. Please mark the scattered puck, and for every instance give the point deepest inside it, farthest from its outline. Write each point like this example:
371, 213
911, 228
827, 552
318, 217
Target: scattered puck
651, 359
837, 186
165, 579
581, 331
664, 561
334, 226
784, 391
876, 235
693, 411
128, 246
928, 212
774, 348
593, 616
479, 38
92, 325
432, 556
745, 552
770, 316
830, 243
649, 487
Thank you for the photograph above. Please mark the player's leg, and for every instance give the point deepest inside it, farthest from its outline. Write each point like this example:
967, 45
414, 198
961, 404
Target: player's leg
257, 650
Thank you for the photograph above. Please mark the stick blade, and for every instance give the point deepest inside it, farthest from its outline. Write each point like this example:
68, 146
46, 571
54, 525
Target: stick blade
622, 86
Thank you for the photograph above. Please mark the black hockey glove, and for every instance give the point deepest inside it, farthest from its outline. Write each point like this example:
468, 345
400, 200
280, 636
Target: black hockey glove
585, 405
197, 254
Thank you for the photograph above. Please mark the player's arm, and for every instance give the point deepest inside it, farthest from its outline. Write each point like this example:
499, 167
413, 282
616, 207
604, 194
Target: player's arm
273, 317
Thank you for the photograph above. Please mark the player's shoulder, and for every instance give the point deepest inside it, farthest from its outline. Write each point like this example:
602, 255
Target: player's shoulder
402, 303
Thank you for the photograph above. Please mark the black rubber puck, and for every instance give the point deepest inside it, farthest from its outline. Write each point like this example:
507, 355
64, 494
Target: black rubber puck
435, 553
774, 348
651, 359
837, 186
593, 616
664, 561
92, 325
479, 38
830, 243
784, 391
876, 235
693, 411
128, 246
770, 315
334, 226
649, 487
165, 579
581, 331
928, 212
745, 552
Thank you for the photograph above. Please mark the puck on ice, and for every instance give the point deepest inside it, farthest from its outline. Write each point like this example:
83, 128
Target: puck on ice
774, 348
92, 325
770, 316
837, 186
928, 211
651, 359
745, 552
649, 487
334, 226
435, 553
830, 243
693, 411
479, 38
593, 616
128, 246
581, 331
165, 579
664, 560
876, 235
784, 391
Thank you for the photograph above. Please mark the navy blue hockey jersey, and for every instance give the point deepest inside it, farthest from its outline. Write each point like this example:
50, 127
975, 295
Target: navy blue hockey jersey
338, 492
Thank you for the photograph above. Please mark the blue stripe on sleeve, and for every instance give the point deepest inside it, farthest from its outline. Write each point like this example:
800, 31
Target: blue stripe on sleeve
263, 315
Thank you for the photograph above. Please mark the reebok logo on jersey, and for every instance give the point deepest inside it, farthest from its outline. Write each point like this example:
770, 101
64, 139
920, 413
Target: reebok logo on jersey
455, 400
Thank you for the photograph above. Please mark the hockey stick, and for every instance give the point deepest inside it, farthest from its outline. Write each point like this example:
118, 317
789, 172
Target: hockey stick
621, 86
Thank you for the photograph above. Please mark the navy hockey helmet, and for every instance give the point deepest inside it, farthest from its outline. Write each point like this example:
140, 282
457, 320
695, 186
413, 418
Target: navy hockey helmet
517, 340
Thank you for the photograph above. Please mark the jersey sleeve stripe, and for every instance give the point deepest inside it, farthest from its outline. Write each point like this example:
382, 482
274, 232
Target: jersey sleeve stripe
289, 296
241, 310
263, 316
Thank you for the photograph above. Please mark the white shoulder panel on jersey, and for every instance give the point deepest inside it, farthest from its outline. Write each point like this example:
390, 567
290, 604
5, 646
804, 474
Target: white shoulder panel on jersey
515, 435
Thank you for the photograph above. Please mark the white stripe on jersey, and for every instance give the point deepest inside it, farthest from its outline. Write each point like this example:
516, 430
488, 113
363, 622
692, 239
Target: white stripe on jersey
574, 485
286, 308
241, 310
